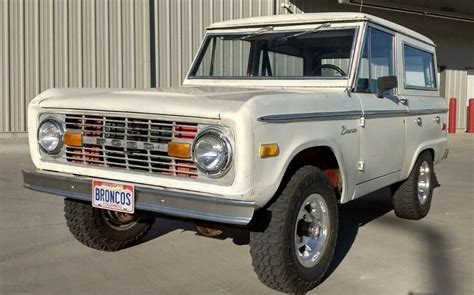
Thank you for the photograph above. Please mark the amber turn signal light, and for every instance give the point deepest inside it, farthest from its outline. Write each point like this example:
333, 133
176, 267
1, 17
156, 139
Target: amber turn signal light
179, 150
73, 139
269, 150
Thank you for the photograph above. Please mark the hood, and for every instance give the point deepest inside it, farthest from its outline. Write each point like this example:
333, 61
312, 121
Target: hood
202, 102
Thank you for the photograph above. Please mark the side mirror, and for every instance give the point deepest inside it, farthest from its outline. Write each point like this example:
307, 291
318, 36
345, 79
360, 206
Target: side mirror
386, 83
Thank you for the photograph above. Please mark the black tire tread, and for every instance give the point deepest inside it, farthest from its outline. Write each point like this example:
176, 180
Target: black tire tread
404, 199
81, 223
273, 269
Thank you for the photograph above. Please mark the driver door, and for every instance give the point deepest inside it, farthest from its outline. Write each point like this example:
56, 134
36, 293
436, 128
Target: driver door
383, 137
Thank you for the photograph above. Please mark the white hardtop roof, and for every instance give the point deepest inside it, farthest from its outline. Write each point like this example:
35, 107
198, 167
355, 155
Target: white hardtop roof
305, 18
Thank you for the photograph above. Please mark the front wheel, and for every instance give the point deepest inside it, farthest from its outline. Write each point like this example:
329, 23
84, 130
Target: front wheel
104, 229
293, 252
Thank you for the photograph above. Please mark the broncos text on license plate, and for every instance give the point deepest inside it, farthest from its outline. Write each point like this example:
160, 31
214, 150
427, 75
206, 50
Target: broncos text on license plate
113, 196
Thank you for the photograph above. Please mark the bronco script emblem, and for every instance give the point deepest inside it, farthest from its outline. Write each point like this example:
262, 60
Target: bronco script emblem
346, 130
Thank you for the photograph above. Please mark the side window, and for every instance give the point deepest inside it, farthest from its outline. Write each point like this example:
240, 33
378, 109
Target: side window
419, 68
376, 60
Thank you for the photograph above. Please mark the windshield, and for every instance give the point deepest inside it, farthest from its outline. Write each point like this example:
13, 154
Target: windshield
321, 52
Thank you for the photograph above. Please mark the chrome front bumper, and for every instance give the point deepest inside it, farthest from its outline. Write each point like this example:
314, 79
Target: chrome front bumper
160, 200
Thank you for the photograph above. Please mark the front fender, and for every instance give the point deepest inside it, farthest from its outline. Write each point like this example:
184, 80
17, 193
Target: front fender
270, 171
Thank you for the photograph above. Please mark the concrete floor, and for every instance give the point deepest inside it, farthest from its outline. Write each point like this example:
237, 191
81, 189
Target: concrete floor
377, 253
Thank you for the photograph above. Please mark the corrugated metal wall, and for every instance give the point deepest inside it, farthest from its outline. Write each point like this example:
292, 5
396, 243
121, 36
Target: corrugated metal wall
60, 43
454, 84
110, 43
104, 43
180, 27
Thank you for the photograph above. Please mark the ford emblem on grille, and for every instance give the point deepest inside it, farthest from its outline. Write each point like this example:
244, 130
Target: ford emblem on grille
130, 144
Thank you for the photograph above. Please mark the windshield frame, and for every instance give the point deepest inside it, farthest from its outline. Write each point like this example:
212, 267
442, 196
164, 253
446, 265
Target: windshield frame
299, 81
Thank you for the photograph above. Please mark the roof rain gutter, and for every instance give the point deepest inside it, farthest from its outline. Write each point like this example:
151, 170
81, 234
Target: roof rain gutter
402, 9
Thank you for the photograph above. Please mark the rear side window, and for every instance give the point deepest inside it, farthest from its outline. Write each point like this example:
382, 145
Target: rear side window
419, 68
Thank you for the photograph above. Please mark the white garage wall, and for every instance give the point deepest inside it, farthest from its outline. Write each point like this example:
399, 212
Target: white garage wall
470, 84
82, 43
106, 43
180, 27
456, 86
103, 43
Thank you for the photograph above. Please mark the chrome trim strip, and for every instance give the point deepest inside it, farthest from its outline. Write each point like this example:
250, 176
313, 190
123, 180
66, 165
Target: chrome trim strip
174, 203
427, 112
385, 114
402, 113
345, 115
318, 116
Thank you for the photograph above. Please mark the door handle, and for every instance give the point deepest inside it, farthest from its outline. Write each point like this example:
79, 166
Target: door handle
403, 101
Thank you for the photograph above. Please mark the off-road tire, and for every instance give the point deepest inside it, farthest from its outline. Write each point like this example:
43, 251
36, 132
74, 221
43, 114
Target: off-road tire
88, 226
405, 199
272, 248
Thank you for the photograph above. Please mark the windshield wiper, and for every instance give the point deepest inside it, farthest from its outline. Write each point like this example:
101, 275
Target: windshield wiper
313, 30
258, 32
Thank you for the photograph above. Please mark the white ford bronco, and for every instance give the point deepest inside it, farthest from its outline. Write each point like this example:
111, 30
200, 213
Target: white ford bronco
278, 121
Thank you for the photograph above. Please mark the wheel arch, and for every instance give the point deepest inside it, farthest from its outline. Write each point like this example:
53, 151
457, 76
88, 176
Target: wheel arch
324, 156
415, 157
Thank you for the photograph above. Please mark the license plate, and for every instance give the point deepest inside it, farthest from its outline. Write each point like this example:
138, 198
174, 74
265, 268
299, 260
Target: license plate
113, 196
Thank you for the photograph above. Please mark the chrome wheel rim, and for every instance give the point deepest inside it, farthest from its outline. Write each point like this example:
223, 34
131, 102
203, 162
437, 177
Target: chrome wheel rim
118, 220
424, 182
311, 230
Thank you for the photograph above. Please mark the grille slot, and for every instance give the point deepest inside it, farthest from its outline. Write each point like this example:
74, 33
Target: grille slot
127, 155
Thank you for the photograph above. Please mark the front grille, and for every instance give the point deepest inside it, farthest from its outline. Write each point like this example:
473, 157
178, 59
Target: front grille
131, 144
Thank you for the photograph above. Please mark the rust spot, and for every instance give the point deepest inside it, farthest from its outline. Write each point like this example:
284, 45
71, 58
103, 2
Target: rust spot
334, 177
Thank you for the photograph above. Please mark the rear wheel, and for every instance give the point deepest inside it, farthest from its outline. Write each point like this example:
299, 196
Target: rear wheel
292, 253
104, 229
412, 198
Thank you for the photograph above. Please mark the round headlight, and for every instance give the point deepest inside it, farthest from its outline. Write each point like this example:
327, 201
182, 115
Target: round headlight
50, 136
212, 152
